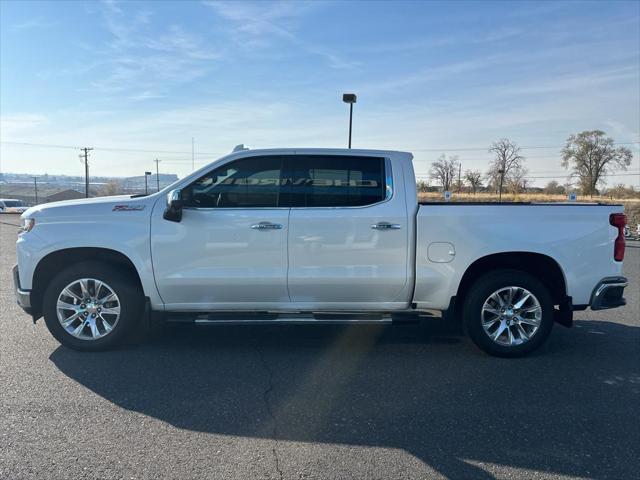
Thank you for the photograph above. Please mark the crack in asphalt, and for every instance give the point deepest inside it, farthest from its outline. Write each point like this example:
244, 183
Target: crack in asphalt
267, 403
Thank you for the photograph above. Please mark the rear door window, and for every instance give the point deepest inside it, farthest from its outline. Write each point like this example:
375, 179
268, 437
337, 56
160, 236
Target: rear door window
336, 181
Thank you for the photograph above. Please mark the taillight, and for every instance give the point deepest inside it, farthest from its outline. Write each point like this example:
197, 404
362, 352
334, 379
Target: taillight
618, 220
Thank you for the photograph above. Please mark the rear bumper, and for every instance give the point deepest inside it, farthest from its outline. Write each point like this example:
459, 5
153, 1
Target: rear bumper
23, 297
608, 293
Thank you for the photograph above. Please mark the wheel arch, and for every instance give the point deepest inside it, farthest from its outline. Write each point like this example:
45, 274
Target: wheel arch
542, 266
56, 261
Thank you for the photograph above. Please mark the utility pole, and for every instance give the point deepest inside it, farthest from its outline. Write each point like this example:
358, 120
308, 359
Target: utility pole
193, 156
35, 187
157, 173
459, 176
85, 154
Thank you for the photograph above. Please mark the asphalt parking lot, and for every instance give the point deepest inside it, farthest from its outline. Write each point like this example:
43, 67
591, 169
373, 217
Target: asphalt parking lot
302, 402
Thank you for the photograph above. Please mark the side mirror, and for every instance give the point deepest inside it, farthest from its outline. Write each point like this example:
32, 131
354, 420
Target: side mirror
173, 212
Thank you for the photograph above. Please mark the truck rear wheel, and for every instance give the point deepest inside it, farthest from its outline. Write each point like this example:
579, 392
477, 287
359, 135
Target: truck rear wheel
92, 306
508, 313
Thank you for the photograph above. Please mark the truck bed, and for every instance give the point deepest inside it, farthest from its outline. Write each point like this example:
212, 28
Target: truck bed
450, 236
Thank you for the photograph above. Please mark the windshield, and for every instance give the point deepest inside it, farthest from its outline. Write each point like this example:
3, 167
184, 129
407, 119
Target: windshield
14, 203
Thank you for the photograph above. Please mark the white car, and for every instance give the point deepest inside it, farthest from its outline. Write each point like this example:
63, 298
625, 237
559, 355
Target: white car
315, 235
11, 205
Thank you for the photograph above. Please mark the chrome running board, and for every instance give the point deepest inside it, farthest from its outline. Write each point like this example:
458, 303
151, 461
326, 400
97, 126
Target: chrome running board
265, 318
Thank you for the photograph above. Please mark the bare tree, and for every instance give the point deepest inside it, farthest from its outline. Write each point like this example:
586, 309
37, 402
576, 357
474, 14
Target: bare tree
445, 170
517, 179
506, 163
622, 191
590, 155
112, 187
473, 179
422, 186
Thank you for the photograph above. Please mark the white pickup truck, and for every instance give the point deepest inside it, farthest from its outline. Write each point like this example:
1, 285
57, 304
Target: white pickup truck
315, 235
12, 205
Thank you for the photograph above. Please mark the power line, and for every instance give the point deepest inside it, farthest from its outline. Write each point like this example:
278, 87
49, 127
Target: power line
71, 147
559, 174
485, 149
607, 175
112, 149
183, 152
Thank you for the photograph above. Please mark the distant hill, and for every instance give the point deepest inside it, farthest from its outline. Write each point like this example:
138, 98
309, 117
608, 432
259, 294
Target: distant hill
52, 186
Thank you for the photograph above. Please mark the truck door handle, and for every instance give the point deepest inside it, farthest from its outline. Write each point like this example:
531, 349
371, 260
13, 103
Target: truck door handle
266, 226
386, 226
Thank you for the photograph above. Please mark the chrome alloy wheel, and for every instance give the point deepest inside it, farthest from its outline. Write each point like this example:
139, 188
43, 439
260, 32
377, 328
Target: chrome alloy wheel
511, 316
88, 309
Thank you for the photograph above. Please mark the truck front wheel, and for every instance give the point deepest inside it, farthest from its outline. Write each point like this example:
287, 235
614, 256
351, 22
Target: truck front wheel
92, 306
508, 313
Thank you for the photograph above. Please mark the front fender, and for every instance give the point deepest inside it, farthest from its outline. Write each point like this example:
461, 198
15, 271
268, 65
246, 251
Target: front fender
125, 234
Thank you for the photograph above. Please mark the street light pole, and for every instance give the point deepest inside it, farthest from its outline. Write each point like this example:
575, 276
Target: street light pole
146, 186
350, 122
350, 98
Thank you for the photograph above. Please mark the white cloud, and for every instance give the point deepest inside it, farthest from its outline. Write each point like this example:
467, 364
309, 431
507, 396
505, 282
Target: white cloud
261, 19
179, 42
431, 73
146, 95
20, 123
32, 23
574, 81
258, 25
141, 57
440, 41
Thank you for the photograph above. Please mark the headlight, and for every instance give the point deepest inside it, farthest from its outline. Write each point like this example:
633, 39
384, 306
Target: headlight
27, 225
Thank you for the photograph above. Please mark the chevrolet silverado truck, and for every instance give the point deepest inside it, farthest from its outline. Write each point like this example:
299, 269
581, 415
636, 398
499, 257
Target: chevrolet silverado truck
315, 235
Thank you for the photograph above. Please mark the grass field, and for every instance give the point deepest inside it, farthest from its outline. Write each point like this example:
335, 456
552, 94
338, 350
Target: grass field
631, 206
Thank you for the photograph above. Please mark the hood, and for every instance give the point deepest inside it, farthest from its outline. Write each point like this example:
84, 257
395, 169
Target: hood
91, 207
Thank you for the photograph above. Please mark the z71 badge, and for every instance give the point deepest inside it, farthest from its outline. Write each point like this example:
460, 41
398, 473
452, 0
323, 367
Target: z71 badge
127, 208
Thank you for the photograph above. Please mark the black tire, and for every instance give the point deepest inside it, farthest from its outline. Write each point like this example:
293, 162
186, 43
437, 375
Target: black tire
126, 288
491, 282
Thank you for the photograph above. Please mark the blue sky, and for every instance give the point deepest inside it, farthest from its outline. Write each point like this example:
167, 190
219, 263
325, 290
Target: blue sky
429, 76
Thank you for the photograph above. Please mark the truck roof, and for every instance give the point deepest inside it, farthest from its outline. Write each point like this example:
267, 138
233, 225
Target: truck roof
313, 150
